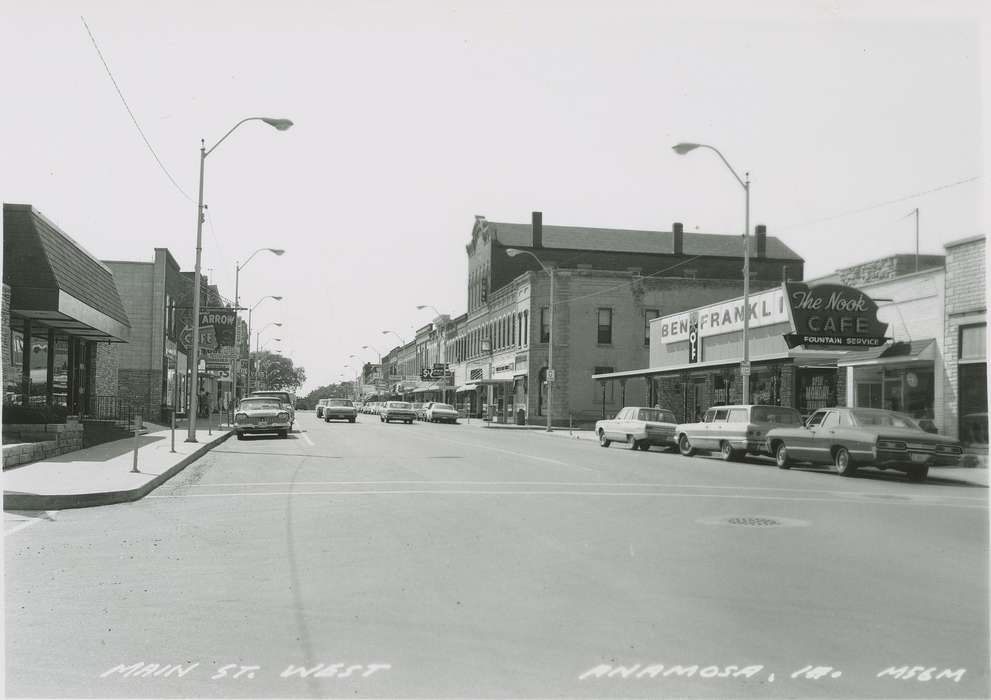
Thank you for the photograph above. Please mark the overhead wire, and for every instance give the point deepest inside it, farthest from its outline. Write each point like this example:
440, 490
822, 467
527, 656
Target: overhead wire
131, 113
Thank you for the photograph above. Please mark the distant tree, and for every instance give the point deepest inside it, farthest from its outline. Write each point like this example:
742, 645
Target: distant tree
274, 371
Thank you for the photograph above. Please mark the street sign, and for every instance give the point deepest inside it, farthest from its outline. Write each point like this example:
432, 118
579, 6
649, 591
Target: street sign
550, 375
745, 370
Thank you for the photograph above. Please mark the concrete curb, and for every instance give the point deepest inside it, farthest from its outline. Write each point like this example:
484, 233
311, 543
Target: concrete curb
33, 501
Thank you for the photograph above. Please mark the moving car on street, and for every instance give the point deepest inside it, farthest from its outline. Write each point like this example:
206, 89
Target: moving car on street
340, 409
734, 431
287, 400
849, 438
420, 410
639, 427
441, 413
396, 410
261, 414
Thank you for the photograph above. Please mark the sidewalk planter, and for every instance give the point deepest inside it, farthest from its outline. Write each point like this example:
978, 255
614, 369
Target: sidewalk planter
39, 441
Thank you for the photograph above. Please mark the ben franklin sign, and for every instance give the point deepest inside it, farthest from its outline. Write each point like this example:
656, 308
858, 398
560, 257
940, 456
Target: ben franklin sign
832, 316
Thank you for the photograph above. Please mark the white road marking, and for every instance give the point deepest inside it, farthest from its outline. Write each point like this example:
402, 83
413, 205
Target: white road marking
31, 521
308, 440
598, 494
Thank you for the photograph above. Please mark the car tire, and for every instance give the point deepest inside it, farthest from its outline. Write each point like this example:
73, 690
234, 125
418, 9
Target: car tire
326, 419
644, 446
351, 420
781, 457
843, 463
918, 473
603, 440
685, 447
727, 452
632, 443
240, 436
283, 434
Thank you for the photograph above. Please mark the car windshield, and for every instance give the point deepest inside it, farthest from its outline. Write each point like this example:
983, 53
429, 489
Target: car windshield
775, 414
656, 415
886, 419
284, 398
445, 406
260, 403
398, 404
340, 402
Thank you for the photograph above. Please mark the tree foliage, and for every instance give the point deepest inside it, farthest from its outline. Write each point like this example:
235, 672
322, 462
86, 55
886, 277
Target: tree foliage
273, 371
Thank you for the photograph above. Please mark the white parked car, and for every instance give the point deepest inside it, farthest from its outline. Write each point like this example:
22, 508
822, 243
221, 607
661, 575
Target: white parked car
639, 427
441, 413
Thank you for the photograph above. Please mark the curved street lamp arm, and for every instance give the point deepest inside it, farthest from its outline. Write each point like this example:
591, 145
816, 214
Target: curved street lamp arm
725, 162
280, 124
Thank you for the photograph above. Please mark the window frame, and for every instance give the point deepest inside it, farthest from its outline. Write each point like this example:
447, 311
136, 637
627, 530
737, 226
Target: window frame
599, 333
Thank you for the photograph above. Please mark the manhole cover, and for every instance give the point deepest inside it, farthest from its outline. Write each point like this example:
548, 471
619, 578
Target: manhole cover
757, 521
754, 522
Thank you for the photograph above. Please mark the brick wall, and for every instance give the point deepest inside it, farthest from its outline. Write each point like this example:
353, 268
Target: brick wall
142, 388
106, 368
966, 304
11, 375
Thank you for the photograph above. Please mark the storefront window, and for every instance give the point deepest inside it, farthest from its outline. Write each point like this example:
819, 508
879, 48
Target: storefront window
815, 389
60, 380
765, 386
974, 404
39, 369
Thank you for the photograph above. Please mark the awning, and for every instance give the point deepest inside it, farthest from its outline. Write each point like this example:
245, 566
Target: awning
466, 387
903, 351
488, 382
56, 283
424, 389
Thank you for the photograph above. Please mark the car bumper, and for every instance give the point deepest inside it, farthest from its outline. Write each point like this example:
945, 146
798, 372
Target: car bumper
339, 415
753, 446
399, 416
267, 428
896, 459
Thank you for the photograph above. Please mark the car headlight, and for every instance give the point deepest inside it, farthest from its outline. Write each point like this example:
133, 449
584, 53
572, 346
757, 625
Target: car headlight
240, 417
891, 445
283, 416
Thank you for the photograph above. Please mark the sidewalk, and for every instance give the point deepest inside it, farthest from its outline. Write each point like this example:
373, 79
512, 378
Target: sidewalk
101, 475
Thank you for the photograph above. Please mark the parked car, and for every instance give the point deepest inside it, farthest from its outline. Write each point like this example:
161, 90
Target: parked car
441, 413
340, 409
734, 431
397, 410
420, 410
320, 404
639, 427
261, 414
287, 399
849, 438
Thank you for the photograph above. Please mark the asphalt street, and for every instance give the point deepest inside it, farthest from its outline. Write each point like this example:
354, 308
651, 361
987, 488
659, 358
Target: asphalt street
373, 560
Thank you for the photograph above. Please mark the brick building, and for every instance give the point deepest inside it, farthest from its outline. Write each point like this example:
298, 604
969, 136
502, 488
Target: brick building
63, 321
609, 284
966, 341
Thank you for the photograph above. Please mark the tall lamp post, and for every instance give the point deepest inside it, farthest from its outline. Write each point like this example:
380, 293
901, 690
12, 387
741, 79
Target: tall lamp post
281, 125
681, 149
442, 353
259, 333
401, 340
513, 252
250, 311
237, 299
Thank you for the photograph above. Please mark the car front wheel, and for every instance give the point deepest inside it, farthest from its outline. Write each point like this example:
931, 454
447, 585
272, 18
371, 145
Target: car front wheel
918, 473
841, 460
726, 452
685, 447
603, 441
781, 457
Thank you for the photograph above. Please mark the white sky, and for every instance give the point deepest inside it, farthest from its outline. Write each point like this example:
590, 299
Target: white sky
411, 117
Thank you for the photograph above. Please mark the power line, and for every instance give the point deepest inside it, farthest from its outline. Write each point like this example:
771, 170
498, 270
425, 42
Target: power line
133, 118
876, 206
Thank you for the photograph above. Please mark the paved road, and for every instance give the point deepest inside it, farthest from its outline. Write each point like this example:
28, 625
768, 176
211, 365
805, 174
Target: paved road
373, 560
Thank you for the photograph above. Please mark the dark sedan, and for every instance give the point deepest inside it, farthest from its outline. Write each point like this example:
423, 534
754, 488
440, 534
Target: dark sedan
849, 438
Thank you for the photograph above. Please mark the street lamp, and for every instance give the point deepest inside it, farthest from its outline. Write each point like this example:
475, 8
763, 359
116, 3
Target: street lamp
513, 252
259, 333
250, 311
279, 124
395, 334
681, 149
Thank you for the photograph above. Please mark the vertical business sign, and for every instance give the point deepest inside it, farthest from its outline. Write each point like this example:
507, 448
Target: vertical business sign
693, 338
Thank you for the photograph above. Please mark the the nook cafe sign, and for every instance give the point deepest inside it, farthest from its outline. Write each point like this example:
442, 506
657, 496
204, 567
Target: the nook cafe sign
832, 316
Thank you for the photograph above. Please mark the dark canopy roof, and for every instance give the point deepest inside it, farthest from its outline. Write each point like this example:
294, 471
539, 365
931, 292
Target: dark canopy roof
55, 282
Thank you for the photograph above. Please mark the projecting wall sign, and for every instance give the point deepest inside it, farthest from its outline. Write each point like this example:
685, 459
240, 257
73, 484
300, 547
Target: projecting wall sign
832, 316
